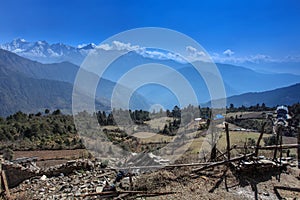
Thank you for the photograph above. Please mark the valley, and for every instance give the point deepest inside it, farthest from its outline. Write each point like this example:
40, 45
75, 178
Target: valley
149, 100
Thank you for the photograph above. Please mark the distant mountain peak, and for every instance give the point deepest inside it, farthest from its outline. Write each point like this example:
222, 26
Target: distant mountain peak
88, 46
19, 40
42, 42
44, 52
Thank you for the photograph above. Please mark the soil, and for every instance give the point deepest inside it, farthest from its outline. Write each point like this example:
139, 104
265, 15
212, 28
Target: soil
209, 184
47, 158
213, 187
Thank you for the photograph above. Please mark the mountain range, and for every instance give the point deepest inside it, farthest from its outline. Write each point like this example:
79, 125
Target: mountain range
44, 52
281, 96
236, 79
31, 86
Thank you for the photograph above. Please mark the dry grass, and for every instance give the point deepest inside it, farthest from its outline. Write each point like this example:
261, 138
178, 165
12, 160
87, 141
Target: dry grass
150, 182
238, 138
147, 137
52, 154
159, 123
193, 146
245, 114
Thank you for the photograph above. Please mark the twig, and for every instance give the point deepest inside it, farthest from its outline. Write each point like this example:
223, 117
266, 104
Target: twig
276, 188
222, 162
162, 166
124, 192
287, 188
271, 147
218, 183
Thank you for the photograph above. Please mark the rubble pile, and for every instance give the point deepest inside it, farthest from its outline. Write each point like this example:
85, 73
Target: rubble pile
16, 173
65, 181
92, 180
146, 159
69, 167
264, 165
64, 186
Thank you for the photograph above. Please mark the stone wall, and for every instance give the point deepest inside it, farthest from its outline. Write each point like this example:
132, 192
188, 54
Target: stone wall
16, 173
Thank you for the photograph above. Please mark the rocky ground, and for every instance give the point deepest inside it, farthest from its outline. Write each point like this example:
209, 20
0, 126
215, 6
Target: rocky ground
207, 185
62, 187
213, 188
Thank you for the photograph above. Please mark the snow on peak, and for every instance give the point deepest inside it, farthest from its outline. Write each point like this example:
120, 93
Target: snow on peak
20, 40
44, 52
41, 42
86, 46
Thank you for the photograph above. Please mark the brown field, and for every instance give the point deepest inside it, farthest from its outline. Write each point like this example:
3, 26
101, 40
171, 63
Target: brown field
48, 158
158, 123
52, 154
246, 115
152, 137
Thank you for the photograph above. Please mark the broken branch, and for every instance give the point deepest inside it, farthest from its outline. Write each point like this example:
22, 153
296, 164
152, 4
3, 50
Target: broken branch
222, 162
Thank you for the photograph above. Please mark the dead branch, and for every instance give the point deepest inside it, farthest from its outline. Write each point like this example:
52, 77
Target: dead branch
218, 183
163, 166
222, 162
276, 188
272, 147
287, 188
116, 193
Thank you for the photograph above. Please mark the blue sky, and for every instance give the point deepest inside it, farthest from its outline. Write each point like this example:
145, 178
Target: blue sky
256, 29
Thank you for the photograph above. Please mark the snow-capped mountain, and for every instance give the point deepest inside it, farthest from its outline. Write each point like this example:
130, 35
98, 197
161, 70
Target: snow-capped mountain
44, 52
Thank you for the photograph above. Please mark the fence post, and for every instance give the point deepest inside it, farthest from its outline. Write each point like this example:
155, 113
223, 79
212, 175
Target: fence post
228, 140
276, 143
1, 160
259, 139
298, 147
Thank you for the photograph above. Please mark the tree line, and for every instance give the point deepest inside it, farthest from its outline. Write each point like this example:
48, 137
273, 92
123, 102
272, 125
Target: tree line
47, 130
55, 130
